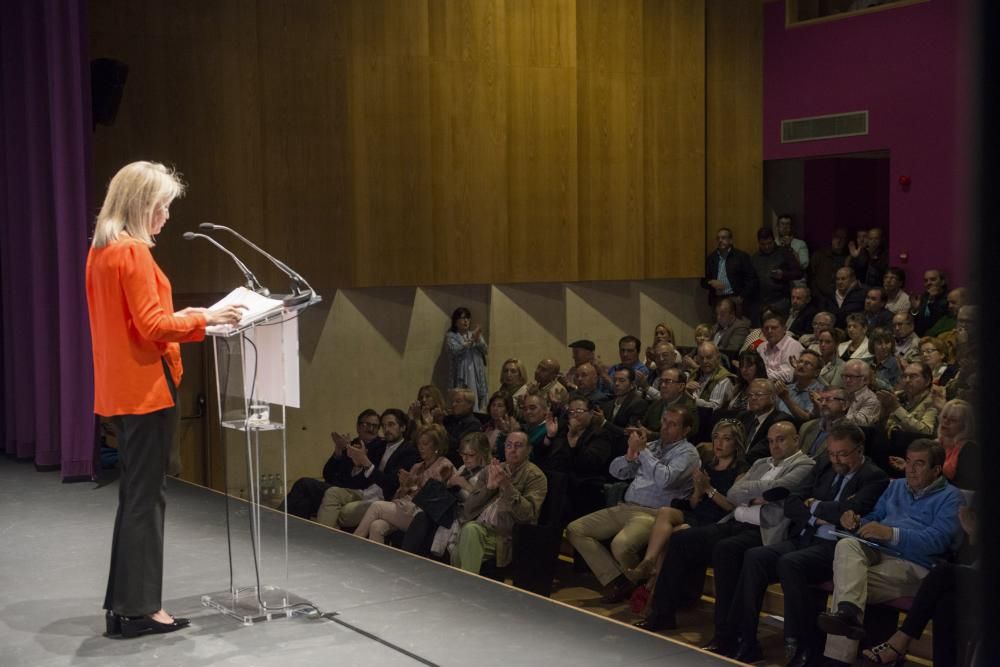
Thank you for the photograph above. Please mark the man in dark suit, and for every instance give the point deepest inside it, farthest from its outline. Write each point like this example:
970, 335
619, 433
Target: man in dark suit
626, 409
730, 330
760, 414
728, 271
800, 316
589, 449
815, 434
849, 297
673, 393
843, 479
368, 473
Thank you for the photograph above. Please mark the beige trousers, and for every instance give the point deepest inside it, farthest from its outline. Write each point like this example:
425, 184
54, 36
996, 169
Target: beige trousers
629, 525
862, 574
342, 507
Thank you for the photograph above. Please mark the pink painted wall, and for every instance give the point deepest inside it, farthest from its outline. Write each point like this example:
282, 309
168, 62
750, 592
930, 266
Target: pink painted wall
906, 67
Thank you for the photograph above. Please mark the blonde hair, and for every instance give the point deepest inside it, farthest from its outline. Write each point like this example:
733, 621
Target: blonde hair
133, 195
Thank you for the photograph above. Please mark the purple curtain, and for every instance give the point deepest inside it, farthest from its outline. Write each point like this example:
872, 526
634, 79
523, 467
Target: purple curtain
47, 389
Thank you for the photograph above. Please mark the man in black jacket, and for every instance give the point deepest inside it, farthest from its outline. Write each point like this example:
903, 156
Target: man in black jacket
800, 316
842, 480
760, 415
364, 473
626, 409
728, 271
849, 297
589, 448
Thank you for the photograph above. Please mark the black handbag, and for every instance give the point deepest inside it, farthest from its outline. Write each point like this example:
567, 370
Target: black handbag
437, 502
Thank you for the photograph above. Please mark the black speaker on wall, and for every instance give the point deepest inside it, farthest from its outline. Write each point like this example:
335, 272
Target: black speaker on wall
107, 83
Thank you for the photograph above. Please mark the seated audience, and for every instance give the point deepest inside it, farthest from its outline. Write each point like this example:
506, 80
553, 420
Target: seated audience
660, 472
367, 472
856, 345
840, 481
501, 422
585, 352
673, 393
712, 386
429, 408
730, 328
802, 312
955, 433
875, 312
707, 502
932, 305
956, 299
814, 433
934, 353
384, 516
797, 398
893, 282
869, 260
821, 321
511, 493
587, 383
916, 519
661, 334
514, 381
306, 494
779, 348
702, 333
753, 522
542, 427
884, 361
865, 408
628, 353
760, 415
751, 367
557, 395
849, 297
460, 421
626, 409
589, 449
911, 409
907, 342
665, 356
832, 366
547, 375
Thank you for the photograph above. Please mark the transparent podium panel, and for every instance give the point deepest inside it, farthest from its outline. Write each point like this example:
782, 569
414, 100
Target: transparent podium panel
256, 372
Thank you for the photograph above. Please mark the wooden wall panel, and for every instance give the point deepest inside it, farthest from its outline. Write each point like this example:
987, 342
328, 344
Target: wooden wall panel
674, 138
733, 115
610, 136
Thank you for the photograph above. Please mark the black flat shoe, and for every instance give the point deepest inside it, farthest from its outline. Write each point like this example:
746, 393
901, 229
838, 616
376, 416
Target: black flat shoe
656, 622
845, 622
722, 646
112, 624
145, 625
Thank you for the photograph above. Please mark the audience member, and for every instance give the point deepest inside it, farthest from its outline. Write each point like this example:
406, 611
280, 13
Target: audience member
778, 349
956, 299
751, 367
911, 409
760, 415
842, 480
893, 282
628, 353
907, 342
856, 345
915, 520
673, 394
585, 352
797, 398
955, 433
557, 395
501, 422
776, 269
814, 433
832, 369
730, 328
306, 494
360, 480
589, 449
864, 409
821, 321
870, 261
932, 305
884, 361
547, 375
586, 383
802, 312
625, 409
460, 421
661, 334
660, 472
541, 427
785, 233
753, 522
664, 356
934, 353
876, 313
849, 297
467, 349
429, 408
728, 271
514, 381
511, 493
383, 516
712, 387
824, 264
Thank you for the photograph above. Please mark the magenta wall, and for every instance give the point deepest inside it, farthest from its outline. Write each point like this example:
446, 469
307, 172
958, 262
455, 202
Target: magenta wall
906, 67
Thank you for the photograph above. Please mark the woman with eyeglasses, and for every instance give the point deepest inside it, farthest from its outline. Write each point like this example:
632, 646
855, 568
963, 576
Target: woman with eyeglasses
934, 353
707, 503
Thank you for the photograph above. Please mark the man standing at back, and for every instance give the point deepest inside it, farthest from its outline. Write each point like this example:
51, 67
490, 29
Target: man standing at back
728, 271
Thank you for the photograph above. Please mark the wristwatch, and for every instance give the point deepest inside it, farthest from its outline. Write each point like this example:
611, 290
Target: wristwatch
711, 493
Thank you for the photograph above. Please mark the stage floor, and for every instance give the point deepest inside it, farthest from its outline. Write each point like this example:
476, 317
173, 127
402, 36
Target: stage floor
383, 607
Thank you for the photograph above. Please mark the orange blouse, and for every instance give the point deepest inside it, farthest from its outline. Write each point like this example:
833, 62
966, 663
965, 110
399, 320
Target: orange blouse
132, 327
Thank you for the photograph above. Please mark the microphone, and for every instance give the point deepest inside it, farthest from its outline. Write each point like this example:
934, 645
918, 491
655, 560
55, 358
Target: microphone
302, 291
252, 283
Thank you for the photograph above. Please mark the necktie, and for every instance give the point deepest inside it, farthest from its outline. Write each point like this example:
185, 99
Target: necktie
838, 482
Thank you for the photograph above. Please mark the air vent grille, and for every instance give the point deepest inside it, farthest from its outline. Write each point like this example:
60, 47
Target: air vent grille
849, 124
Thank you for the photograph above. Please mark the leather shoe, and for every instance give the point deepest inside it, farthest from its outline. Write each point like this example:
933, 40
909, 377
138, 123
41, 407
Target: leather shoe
748, 652
136, 626
796, 654
721, 645
617, 590
846, 621
112, 624
656, 622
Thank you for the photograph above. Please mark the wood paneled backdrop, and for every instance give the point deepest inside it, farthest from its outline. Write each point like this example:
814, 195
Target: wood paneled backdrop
421, 142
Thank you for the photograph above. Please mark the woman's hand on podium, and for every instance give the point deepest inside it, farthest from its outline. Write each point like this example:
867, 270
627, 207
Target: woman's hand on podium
225, 315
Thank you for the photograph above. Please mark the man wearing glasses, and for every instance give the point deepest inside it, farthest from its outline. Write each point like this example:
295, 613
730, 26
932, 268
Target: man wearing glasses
814, 434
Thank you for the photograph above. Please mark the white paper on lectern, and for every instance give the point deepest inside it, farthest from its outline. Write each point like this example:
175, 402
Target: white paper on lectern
257, 307
276, 351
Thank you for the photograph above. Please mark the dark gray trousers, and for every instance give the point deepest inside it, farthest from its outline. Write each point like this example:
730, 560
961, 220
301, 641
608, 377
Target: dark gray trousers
135, 582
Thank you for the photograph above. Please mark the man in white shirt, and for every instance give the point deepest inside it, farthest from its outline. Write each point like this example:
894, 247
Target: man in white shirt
893, 282
778, 348
865, 409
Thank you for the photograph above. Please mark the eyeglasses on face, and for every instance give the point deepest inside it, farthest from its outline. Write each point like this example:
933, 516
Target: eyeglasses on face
374, 426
